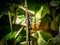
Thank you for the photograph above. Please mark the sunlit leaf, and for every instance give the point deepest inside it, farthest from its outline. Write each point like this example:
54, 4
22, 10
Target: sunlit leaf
23, 43
38, 14
21, 16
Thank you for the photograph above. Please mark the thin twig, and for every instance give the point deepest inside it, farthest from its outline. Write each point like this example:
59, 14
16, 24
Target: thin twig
19, 32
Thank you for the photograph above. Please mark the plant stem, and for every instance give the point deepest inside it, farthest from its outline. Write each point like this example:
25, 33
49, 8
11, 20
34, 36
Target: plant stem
27, 25
19, 32
10, 20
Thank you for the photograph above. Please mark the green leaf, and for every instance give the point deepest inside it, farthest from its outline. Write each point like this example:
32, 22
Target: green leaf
38, 14
21, 38
53, 24
23, 43
54, 41
10, 35
45, 10
21, 16
45, 19
42, 37
45, 35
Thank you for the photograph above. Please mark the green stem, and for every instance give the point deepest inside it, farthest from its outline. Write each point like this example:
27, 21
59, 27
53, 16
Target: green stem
10, 20
19, 32
15, 17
